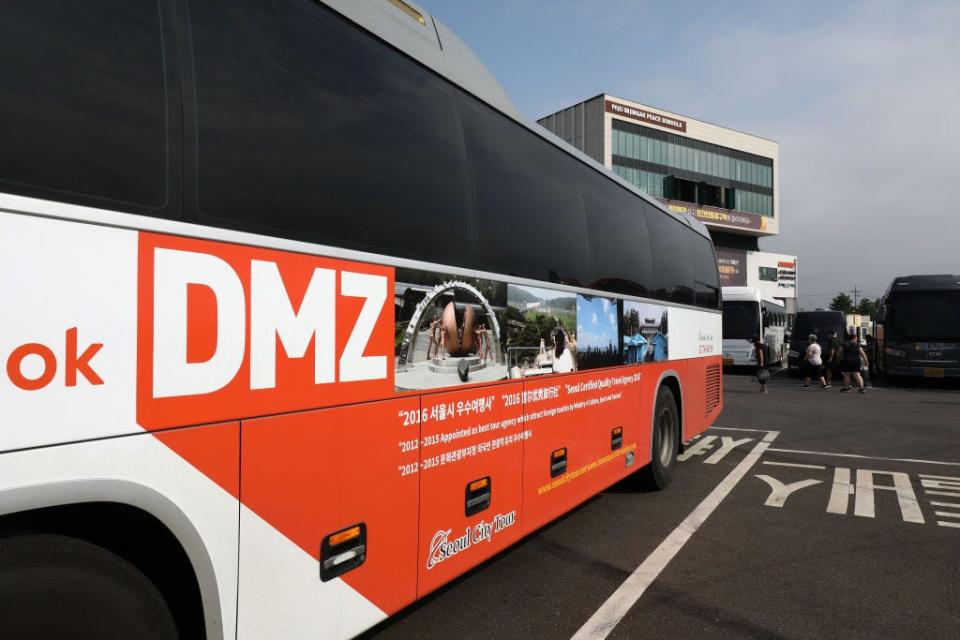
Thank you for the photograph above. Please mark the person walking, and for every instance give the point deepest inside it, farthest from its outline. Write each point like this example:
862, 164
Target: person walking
852, 358
814, 362
763, 375
833, 359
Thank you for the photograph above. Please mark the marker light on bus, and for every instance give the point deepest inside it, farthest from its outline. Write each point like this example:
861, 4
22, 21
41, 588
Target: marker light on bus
476, 485
346, 535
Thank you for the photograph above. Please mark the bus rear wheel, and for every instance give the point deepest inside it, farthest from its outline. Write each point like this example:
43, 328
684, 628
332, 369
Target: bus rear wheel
666, 441
54, 586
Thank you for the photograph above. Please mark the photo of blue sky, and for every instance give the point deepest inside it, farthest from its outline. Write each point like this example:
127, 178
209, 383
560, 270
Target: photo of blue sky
596, 324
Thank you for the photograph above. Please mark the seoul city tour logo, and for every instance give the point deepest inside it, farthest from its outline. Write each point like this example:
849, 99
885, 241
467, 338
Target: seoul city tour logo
443, 548
704, 342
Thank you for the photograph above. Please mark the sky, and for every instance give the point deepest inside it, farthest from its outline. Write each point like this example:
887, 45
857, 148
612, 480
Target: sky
596, 323
863, 97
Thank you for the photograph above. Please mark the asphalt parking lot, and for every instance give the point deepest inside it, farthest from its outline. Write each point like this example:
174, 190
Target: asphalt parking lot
801, 514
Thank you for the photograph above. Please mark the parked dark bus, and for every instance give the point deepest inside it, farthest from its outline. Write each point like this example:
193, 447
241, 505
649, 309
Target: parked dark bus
918, 327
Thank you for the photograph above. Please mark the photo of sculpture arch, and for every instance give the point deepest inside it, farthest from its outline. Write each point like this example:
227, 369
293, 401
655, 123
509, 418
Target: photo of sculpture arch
645, 333
598, 335
447, 330
540, 331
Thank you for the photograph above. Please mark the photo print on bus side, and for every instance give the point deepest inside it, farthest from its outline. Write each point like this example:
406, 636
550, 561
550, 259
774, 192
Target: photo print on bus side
644, 329
448, 330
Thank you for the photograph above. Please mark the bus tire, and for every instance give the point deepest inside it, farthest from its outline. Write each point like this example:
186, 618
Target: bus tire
54, 586
665, 442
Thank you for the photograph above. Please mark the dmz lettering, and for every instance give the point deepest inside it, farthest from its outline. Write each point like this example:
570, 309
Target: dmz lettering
227, 331
272, 316
443, 548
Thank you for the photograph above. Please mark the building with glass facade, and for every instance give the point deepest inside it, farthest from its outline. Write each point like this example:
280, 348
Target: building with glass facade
725, 178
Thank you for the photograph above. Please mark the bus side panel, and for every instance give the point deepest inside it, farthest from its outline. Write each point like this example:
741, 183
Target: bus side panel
702, 394
571, 453
68, 330
313, 474
693, 376
214, 450
167, 476
470, 482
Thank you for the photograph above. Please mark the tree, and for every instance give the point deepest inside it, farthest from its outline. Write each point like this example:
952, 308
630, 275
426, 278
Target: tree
868, 307
842, 302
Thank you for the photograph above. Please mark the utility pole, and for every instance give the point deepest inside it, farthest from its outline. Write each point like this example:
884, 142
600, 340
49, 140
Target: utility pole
856, 292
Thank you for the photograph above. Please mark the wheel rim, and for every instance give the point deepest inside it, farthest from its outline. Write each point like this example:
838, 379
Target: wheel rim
665, 433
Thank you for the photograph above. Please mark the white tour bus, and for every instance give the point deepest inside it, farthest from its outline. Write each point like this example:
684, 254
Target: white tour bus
748, 313
262, 264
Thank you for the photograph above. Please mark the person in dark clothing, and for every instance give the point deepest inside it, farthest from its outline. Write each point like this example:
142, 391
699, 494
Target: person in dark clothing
852, 358
762, 374
832, 361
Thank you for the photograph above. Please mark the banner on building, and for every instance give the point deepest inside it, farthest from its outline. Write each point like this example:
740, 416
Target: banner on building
732, 265
643, 115
718, 216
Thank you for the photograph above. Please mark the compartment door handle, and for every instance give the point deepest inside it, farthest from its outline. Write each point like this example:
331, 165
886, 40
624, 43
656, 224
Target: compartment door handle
478, 495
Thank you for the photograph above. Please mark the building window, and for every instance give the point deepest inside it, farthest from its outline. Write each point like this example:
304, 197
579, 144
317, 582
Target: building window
727, 178
768, 273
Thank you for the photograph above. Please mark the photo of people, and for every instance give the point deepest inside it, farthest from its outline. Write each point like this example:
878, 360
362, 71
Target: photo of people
447, 330
539, 331
644, 329
598, 337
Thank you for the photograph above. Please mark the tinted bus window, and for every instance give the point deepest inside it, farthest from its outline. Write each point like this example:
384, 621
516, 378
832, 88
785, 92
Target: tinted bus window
311, 129
706, 278
672, 264
82, 101
530, 219
741, 319
924, 315
617, 231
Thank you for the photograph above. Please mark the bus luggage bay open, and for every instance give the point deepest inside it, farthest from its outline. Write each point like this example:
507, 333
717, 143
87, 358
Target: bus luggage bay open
301, 320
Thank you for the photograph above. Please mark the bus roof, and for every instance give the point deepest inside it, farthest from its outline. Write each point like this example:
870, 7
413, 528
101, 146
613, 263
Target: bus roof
925, 282
408, 27
749, 293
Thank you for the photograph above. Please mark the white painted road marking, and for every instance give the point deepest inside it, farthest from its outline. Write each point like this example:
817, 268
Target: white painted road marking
840, 492
727, 444
779, 492
864, 504
794, 464
843, 485
854, 455
951, 485
698, 448
617, 605
864, 500
930, 485
701, 447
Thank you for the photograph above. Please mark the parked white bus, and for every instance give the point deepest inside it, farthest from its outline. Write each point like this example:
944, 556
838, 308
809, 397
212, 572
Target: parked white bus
748, 313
